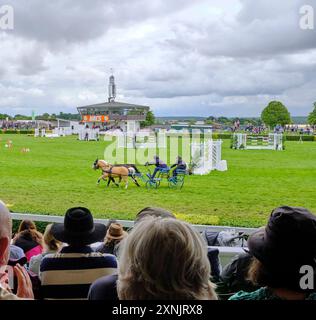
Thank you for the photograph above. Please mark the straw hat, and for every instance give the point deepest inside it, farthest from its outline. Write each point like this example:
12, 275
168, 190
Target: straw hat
115, 232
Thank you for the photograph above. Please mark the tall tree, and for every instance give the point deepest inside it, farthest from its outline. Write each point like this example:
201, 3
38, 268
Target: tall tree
150, 119
312, 116
275, 114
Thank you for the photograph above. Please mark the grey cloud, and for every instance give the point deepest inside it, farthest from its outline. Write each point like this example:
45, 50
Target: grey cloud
60, 22
262, 29
230, 64
2, 72
32, 61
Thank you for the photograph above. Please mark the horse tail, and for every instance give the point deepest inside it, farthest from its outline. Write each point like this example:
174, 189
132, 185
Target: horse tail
131, 166
131, 171
135, 168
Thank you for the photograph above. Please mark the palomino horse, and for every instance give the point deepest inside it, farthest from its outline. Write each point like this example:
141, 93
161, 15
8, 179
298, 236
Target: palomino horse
112, 171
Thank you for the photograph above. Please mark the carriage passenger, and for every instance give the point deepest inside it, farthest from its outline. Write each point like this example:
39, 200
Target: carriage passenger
159, 165
179, 165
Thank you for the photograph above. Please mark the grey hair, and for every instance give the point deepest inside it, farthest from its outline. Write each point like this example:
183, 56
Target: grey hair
5, 221
164, 258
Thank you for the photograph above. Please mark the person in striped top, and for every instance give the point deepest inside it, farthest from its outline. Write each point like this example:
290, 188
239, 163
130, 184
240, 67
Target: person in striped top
69, 273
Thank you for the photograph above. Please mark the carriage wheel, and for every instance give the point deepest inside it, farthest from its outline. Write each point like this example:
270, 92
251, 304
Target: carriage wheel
172, 183
176, 183
181, 183
150, 184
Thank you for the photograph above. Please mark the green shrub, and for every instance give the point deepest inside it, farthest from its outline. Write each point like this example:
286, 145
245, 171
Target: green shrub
26, 132
16, 131
9, 131
222, 136
297, 138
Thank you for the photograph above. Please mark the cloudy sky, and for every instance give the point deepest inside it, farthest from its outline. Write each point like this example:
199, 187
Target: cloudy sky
181, 57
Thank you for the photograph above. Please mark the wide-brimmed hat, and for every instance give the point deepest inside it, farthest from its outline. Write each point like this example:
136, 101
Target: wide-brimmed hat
115, 232
288, 241
78, 228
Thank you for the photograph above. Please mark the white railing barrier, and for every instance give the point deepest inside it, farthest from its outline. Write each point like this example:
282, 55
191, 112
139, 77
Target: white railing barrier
125, 223
225, 253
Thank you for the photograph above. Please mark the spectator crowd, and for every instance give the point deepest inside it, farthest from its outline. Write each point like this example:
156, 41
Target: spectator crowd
160, 258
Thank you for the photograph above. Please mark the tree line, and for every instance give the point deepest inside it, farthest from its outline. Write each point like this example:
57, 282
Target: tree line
275, 113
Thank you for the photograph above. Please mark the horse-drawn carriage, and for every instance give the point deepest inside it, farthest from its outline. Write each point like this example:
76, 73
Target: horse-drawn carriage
175, 178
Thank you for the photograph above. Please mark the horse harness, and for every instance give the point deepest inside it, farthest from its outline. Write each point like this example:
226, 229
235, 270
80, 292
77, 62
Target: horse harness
110, 171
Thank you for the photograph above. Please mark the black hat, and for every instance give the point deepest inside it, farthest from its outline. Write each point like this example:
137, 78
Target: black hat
287, 242
78, 228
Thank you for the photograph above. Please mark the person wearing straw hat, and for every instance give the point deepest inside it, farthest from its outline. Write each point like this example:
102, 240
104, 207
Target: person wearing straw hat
69, 273
114, 235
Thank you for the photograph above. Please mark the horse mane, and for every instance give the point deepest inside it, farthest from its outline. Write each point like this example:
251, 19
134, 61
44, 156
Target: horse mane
104, 162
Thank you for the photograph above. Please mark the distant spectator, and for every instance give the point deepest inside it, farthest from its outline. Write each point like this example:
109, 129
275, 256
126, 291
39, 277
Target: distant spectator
29, 239
280, 249
114, 235
69, 274
164, 259
51, 246
24, 285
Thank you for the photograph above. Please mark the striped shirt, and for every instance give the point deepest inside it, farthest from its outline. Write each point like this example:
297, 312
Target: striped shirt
69, 274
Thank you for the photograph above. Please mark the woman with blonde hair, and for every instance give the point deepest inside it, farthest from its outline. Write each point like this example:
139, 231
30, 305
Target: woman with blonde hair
164, 259
29, 239
51, 245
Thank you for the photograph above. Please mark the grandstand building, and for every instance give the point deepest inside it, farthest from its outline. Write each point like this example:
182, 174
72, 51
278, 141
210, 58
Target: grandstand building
113, 114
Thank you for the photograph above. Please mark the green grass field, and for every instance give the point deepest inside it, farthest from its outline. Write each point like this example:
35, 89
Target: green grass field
56, 174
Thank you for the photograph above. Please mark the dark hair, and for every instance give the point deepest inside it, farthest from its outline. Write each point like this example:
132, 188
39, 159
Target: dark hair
28, 230
274, 278
27, 225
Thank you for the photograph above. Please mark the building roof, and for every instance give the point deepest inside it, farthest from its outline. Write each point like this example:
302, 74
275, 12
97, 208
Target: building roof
115, 104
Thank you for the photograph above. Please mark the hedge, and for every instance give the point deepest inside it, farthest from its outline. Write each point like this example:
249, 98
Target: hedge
17, 131
287, 137
304, 138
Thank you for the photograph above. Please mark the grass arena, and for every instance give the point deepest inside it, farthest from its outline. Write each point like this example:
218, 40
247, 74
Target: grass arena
47, 176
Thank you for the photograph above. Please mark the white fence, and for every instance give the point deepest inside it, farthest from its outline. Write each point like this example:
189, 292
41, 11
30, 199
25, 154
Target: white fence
57, 132
272, 141
207, 156
140, 140
88, 134
125, 223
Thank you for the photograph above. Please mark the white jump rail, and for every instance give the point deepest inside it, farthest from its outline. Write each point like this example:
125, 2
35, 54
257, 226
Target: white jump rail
125, 223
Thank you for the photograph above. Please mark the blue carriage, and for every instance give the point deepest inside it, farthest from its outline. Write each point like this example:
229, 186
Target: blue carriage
175, 179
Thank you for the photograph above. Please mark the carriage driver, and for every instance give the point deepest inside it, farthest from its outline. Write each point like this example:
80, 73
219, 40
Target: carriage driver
179, 165
159, 165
